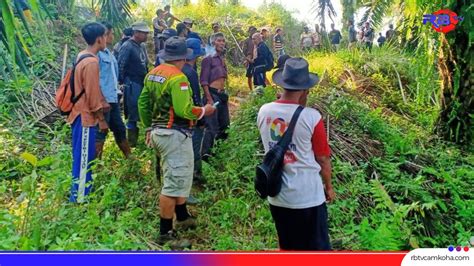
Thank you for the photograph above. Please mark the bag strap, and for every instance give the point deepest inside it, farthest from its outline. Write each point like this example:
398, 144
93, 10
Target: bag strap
74, 99
288, 135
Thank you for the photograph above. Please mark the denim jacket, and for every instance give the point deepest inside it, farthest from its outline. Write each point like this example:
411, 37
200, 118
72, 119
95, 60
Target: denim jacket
108, 75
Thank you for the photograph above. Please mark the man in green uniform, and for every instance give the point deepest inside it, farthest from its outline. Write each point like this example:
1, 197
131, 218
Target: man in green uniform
167, 111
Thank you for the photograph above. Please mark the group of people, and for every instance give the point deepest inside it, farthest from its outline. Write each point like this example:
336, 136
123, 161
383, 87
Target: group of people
258, 55
181, 104
313, 40
166, 102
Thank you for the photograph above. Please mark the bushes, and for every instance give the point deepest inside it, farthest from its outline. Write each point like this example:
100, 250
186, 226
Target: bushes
414, 191
237, 17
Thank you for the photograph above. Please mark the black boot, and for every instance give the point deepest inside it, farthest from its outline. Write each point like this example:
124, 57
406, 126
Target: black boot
99, 148
132, 136
125, 148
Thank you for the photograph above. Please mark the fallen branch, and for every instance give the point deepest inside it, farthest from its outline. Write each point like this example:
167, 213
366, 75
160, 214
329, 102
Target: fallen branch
400, 84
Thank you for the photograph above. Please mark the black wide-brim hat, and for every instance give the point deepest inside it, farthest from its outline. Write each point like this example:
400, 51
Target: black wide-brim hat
295, 75
175, 49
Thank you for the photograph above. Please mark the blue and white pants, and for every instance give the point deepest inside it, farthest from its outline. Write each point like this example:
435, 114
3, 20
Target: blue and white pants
83, 153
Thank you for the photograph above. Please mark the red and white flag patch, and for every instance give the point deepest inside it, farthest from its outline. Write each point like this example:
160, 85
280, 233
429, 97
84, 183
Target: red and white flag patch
184, 86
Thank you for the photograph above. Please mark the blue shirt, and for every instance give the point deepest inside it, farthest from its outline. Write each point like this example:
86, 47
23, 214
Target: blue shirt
193, 79
263, 52
192, 34
335, 36
108, 75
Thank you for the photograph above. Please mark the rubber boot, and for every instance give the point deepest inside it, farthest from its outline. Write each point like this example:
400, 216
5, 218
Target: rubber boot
99, 148
125, 148
132, 136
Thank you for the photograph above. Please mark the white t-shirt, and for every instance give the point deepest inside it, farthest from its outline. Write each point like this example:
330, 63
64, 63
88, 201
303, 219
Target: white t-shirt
302, 186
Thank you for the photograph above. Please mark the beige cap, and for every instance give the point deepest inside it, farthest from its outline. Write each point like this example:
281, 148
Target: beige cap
188, 21
140, 26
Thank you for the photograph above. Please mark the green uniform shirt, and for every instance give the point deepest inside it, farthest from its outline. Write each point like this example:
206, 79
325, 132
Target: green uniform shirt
166, 99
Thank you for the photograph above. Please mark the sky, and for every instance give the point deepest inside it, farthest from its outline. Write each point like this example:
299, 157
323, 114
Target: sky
301, 9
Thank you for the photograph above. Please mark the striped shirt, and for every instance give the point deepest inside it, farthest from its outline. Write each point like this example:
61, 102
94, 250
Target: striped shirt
277, 42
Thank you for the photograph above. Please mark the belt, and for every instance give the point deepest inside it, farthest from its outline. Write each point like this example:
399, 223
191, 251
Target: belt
259, 69
211, 89
185, 131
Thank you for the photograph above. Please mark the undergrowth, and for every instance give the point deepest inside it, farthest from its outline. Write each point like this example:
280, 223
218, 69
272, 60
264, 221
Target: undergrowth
416, 192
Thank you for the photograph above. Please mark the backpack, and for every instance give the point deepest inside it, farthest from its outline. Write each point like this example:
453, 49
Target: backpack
268, 179
65, 94
270, 61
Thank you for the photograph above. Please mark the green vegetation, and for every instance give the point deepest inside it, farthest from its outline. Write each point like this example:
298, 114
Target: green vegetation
399, 185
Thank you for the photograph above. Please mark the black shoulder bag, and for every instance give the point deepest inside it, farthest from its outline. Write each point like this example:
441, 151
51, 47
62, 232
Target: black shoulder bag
268, 174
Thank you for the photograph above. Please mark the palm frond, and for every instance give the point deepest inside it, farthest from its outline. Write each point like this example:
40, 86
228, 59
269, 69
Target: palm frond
11, 36
7, 30
8, 27
19, 11
116, 12
375, 11
44, 7
321, 8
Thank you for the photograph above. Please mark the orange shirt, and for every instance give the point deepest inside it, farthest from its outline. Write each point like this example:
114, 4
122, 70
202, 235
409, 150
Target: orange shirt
90, 105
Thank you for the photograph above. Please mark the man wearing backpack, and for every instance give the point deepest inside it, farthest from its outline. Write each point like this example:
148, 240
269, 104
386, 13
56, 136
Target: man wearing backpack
263, 60
88, 111
299, 209
109, 86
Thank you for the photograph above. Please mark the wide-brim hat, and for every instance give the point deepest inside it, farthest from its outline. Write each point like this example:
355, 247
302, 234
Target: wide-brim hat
140, 26
175, 49
295, 75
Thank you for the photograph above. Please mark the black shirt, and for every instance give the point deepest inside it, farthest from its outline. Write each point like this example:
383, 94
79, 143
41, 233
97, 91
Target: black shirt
262, 55
193, 79
381, 40
119, 45
335, 36
132, 62
352, 34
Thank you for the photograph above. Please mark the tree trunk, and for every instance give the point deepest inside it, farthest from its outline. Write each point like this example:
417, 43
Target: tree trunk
348, 10
456, 62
